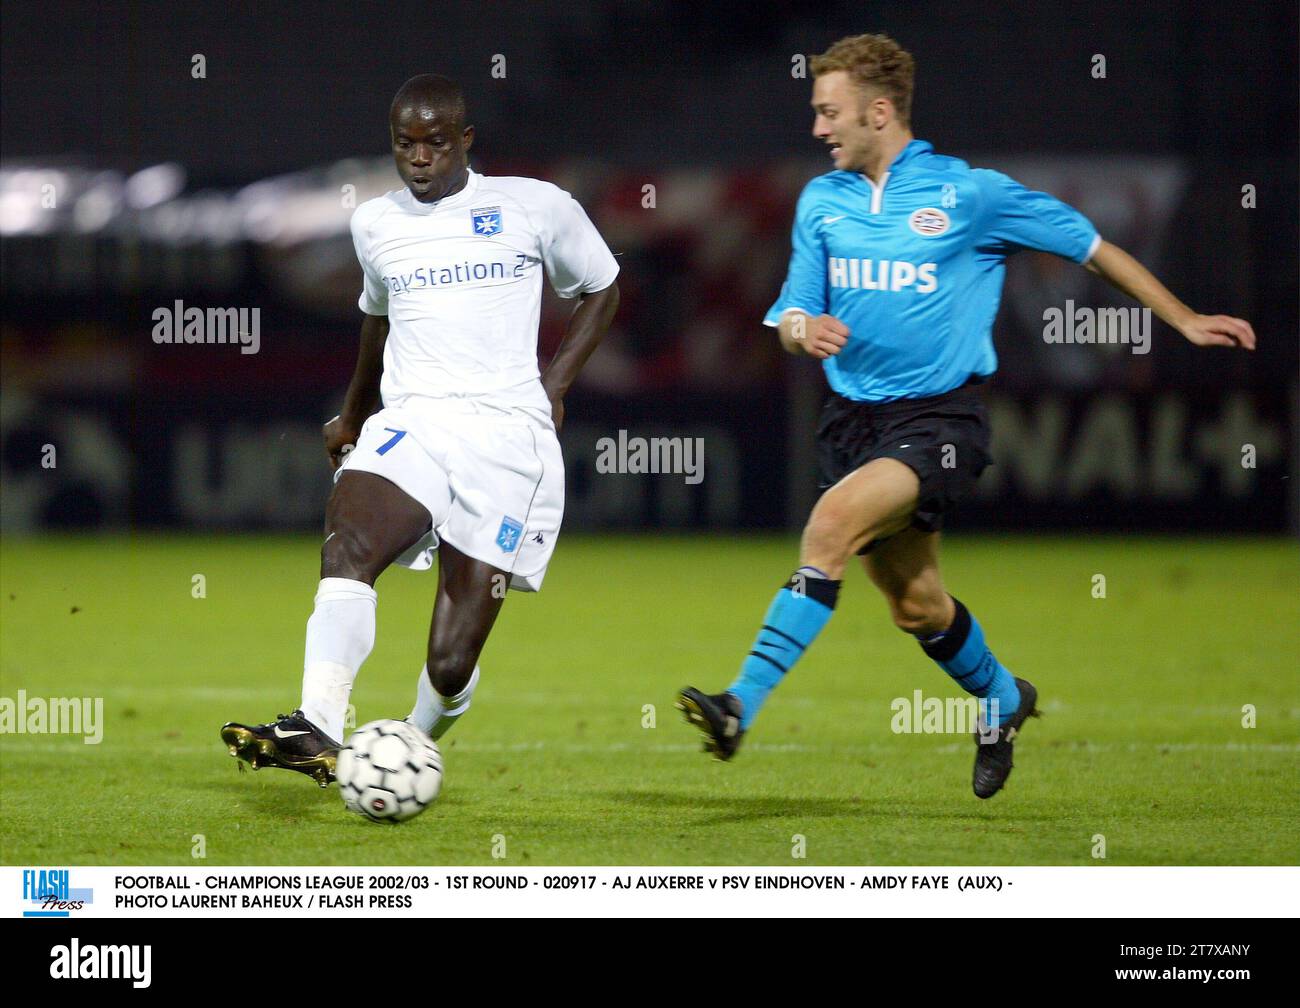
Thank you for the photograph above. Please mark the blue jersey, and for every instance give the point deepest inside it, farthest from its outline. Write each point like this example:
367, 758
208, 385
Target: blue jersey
913, 267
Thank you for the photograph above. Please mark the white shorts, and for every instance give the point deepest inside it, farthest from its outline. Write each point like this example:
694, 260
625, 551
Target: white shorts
492, 482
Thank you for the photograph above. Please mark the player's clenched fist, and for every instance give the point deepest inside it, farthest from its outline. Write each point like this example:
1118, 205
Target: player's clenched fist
818, 336
340, 438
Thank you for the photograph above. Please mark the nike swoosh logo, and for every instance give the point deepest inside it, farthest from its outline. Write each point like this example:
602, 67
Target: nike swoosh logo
280, 733
832, 220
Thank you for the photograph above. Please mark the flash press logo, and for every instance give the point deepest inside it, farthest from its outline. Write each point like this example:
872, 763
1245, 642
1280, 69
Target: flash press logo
49, 892
76, 961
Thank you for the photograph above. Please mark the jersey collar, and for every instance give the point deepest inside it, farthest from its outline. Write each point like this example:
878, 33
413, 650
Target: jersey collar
913, 150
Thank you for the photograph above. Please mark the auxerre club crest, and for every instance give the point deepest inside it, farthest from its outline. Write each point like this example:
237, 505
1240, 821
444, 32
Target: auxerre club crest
928, 222
508, 534
486, 221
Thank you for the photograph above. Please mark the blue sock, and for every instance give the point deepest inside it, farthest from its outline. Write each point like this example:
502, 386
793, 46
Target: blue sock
796, 616
961, 652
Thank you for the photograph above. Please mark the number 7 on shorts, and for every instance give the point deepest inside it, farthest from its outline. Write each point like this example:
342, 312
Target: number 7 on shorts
397, 436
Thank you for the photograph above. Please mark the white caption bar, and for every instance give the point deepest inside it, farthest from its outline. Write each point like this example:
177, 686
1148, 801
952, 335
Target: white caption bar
649, 892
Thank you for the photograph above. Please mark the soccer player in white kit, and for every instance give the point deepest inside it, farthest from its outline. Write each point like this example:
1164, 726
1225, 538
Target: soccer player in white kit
462, 458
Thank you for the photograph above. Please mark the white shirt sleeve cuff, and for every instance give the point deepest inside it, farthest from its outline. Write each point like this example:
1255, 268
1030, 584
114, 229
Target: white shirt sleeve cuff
781, 318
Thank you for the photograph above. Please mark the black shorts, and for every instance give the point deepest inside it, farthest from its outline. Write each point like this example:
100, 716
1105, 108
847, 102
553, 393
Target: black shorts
944, 439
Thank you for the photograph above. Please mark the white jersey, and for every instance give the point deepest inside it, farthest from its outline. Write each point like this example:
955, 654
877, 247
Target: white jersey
461, 283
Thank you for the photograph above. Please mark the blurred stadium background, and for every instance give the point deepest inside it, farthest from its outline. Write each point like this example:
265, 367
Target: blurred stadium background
127, 183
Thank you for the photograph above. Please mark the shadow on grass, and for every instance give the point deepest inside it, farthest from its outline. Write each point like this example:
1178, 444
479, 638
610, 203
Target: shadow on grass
747, 808
284, 799
274, 793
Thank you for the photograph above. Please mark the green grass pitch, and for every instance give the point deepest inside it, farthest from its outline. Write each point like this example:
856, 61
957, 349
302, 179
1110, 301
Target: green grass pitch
1143, 740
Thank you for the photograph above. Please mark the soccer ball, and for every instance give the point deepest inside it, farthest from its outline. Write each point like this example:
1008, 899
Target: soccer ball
389, 771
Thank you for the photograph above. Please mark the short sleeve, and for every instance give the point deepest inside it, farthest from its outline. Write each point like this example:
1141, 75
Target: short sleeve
576, 257
374, 292
1016, 218
805, 282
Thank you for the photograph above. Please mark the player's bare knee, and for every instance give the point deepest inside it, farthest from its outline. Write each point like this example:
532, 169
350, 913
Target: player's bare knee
826, 540
450, 672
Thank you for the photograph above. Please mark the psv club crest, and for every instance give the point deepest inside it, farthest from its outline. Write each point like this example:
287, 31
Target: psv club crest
928, 222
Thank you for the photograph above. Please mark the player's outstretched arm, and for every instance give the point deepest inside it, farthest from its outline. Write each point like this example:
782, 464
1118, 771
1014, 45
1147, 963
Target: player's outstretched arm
587, 327
1122, 271
362, 398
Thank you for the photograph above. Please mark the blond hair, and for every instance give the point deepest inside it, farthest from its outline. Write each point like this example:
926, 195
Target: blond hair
875, 63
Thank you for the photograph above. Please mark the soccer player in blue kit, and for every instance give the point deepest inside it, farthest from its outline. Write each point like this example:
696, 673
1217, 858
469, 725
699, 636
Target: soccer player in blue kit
894, 282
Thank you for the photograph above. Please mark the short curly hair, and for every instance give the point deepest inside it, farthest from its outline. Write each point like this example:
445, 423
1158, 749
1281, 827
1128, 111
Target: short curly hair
874, 63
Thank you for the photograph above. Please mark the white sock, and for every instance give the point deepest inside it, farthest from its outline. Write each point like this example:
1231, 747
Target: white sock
340, 634
434, 714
